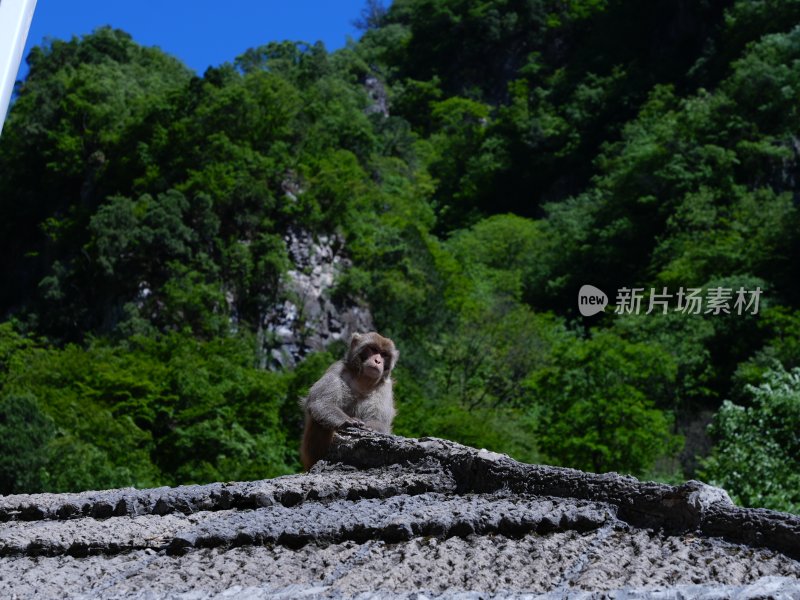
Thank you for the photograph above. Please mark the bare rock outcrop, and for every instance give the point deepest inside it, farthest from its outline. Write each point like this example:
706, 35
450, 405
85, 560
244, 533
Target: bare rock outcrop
386, 516
308, 319
379, 98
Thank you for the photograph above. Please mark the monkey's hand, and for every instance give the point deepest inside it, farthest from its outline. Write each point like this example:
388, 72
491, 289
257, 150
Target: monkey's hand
356, 423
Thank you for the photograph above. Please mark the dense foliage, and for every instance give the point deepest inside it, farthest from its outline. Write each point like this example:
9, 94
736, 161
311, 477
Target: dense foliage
757, 455
531, 147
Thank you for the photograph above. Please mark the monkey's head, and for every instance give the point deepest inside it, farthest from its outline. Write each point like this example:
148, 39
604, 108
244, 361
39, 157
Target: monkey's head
372, 356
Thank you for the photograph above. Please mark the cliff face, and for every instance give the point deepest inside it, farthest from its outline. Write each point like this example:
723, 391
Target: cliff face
399, 517
308, 319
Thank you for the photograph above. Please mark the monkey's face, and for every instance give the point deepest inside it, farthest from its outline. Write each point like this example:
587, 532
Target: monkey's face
371, 356
373, 361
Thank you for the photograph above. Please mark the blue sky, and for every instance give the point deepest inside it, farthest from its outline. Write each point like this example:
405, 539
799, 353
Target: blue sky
200, 33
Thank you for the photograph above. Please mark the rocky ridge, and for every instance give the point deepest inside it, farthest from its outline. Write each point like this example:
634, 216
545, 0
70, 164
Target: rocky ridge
389, 516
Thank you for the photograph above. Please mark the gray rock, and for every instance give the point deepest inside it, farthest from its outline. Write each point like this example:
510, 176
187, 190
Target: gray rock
308, 319
386, 516
379, 99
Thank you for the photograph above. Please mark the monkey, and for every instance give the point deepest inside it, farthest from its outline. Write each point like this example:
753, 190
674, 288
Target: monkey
355, 391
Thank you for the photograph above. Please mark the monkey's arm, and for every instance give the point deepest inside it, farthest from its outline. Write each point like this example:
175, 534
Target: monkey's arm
325, 401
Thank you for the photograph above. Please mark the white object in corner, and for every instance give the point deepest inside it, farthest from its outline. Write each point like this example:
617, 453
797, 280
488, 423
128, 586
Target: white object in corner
15, 20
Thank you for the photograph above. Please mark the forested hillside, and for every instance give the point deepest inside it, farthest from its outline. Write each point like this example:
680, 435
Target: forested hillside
476, 163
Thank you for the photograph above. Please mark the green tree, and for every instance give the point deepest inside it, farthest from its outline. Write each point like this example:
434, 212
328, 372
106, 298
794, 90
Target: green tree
597, 407
24, 432
756, 456
65, 148
144, 412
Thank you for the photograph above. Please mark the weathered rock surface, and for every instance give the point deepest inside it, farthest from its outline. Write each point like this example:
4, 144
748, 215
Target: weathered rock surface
309, 319
379, 98
693, 506
393, 517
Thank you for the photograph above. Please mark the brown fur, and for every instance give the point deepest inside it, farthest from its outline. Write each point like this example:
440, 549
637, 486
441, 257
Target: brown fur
355, 391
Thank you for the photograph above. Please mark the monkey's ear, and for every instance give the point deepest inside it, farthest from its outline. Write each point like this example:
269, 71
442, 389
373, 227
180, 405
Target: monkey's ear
394, 356
355, 338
